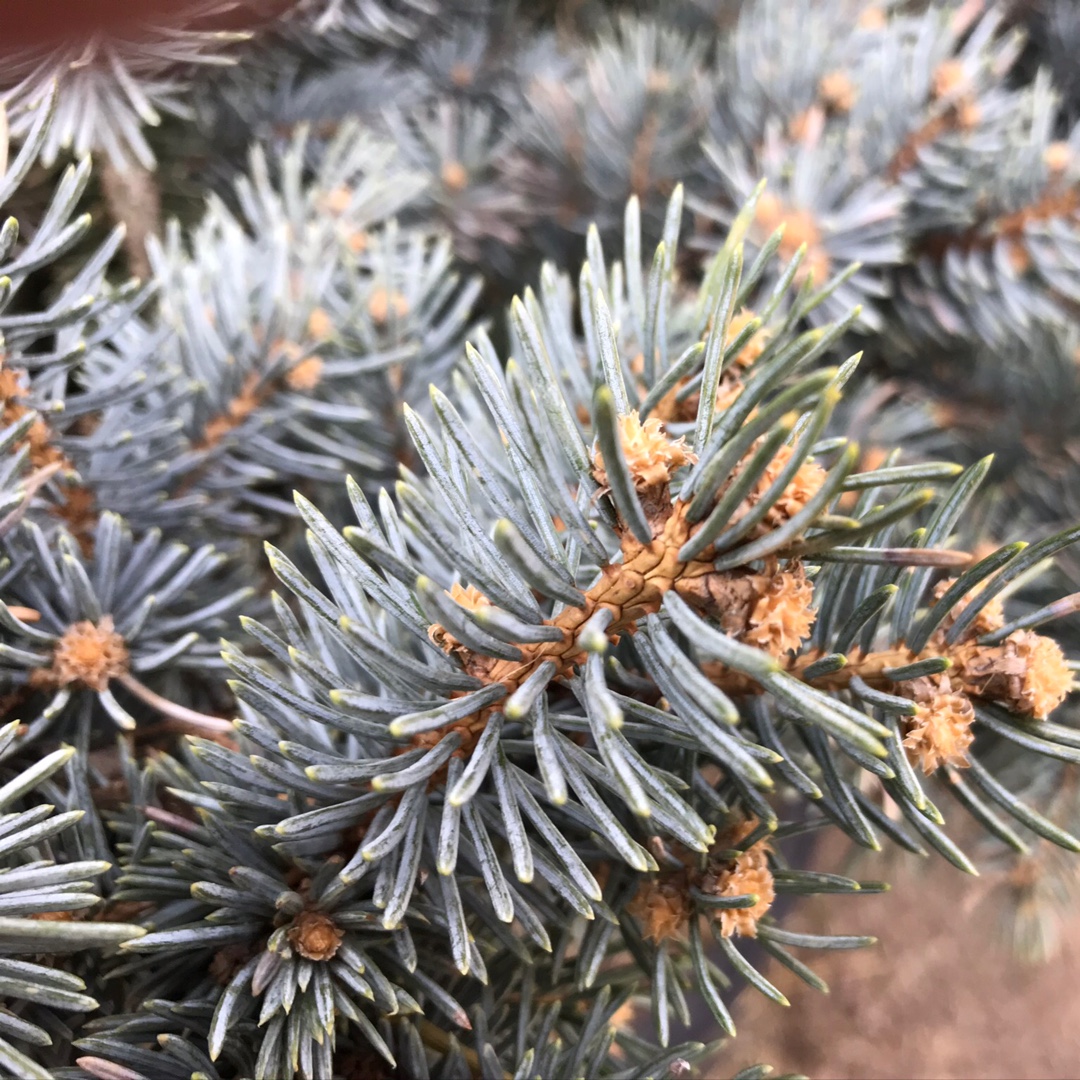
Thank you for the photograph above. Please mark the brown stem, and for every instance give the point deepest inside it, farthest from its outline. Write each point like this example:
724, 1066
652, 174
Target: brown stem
33, 483
170, 820
630, 590
134, 201
1054, 202
642, 155
905, 158
1025, 673
439, 1040
194, 722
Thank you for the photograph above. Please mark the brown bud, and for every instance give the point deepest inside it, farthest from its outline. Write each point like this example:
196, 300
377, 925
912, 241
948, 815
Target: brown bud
337, 200
315, 936
949, 79
454, 175
90, 654
319, 325
837, 91
383, 301
305, 376
1057, 156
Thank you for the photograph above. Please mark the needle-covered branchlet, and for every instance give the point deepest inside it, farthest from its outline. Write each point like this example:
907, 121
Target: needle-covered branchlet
1024, 672
1027, 673
771, 608
629, 588
518, 759
106, 627
68, 500
39, 441
774, 610
680, 403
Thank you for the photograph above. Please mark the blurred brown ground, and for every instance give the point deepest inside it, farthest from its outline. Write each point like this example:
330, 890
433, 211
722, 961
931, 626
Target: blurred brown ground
940, 997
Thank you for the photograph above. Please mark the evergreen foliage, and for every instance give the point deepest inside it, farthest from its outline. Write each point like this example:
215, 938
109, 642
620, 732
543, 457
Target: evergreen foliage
112, 87
579, 617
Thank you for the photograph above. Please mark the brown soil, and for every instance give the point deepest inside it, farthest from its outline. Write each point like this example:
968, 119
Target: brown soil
941, 997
